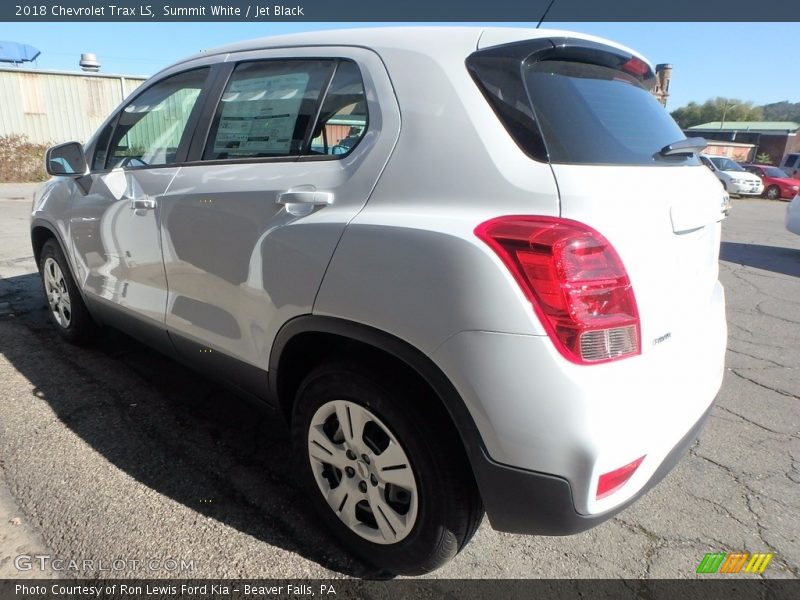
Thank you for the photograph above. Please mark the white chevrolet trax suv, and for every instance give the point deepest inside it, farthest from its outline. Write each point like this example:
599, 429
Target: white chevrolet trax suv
475, 269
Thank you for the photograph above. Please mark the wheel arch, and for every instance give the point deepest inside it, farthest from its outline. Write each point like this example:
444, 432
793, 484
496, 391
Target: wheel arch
41, 231
294, 346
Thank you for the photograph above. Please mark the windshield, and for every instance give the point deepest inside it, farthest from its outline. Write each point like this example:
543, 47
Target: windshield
726, 164
774, 172
590, 114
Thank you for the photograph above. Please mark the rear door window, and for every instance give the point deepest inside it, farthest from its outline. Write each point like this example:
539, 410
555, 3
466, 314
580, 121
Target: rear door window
591, 114
268, 109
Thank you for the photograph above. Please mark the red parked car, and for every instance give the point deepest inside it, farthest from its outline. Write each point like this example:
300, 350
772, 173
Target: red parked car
777, 184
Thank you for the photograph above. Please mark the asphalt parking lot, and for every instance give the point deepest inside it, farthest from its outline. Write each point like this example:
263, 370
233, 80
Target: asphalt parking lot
113, 451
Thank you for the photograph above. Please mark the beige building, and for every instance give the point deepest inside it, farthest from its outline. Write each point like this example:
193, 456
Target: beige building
51, 107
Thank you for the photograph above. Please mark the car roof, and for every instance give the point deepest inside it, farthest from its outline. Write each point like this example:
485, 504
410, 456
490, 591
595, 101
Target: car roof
431, 40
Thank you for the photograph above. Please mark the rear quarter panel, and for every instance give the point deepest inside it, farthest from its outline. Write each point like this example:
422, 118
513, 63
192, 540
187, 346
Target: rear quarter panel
409, 262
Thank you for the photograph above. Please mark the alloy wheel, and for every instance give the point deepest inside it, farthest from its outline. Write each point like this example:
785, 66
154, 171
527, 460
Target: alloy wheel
363, 472
55, 287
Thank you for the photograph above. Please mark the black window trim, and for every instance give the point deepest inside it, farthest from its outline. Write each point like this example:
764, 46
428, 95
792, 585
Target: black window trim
188, 132
112, 125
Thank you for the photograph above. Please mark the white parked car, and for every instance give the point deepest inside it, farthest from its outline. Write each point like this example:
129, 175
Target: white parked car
427, 249
793, 215
734, 177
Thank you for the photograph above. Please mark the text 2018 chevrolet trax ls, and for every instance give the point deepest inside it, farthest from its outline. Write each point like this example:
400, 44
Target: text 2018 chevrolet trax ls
476, 269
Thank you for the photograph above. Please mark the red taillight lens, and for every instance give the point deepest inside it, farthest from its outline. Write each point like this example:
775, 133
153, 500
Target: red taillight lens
575, 281
636, 66
612, 481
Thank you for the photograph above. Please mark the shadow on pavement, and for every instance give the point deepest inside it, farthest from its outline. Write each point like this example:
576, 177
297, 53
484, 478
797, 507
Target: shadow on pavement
768, 258
175, 431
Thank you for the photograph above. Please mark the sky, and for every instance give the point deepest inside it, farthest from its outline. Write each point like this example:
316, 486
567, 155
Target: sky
709, 59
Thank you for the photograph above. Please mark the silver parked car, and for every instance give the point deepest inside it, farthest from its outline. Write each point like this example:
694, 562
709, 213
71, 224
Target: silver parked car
475, 269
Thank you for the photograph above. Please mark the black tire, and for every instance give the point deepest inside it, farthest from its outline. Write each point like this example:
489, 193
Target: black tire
449, 508
80, 325
773, 192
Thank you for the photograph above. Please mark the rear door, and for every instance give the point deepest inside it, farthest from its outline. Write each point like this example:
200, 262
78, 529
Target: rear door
295, 144
604, 133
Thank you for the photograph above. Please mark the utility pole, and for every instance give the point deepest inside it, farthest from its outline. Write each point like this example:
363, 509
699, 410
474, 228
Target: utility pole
724, 112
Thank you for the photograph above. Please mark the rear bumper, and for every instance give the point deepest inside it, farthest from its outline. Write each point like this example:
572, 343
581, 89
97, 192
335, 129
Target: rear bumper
520, 501
561, 426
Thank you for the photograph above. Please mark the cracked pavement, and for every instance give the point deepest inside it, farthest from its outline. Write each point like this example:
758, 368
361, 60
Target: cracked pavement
113, 451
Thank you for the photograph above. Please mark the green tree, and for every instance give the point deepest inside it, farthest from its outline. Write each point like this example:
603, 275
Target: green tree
782, 111
733, 109
764, 159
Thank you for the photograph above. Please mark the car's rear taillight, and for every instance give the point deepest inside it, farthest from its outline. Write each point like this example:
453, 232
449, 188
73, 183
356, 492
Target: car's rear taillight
575, 281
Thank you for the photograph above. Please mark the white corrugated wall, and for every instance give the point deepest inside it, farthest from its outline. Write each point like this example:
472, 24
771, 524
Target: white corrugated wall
51, 107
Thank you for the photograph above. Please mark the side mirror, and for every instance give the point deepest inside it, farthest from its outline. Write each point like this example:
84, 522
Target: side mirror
66, 159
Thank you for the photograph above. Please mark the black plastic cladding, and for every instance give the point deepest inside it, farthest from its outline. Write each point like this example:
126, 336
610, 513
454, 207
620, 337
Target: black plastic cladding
500, 68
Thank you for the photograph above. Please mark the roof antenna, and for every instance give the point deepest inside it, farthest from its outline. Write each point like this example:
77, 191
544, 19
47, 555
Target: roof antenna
547, 10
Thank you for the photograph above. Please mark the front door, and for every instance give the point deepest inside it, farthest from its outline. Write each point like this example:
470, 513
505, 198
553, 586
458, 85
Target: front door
115, 225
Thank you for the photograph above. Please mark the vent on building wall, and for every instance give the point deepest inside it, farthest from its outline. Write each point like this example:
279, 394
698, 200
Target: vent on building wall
89, 62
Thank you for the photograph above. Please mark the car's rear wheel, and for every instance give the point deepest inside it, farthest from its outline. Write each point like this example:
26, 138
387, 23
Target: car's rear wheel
383, 471
67, 310
773, 192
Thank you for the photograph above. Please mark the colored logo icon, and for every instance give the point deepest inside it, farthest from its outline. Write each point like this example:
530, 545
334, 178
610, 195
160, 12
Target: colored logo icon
735, 562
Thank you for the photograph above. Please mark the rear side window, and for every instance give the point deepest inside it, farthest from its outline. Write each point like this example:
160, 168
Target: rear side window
591, 114
342, 119
267, 109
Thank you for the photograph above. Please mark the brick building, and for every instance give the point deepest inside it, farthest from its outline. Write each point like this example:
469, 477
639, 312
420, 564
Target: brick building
775, 138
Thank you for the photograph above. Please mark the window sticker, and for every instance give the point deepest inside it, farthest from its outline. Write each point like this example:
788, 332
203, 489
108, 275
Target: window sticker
259, 115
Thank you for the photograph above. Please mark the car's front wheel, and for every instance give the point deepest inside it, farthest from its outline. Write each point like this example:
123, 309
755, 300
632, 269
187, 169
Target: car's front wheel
69, 313
384, 472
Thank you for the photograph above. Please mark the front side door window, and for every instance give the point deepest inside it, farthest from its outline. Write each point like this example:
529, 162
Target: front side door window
149, 130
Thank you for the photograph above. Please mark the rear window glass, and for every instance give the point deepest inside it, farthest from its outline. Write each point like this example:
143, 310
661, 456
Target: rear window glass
589, 114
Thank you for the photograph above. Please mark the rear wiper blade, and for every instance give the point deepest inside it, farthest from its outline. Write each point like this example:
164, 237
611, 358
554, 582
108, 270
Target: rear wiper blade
690, 145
